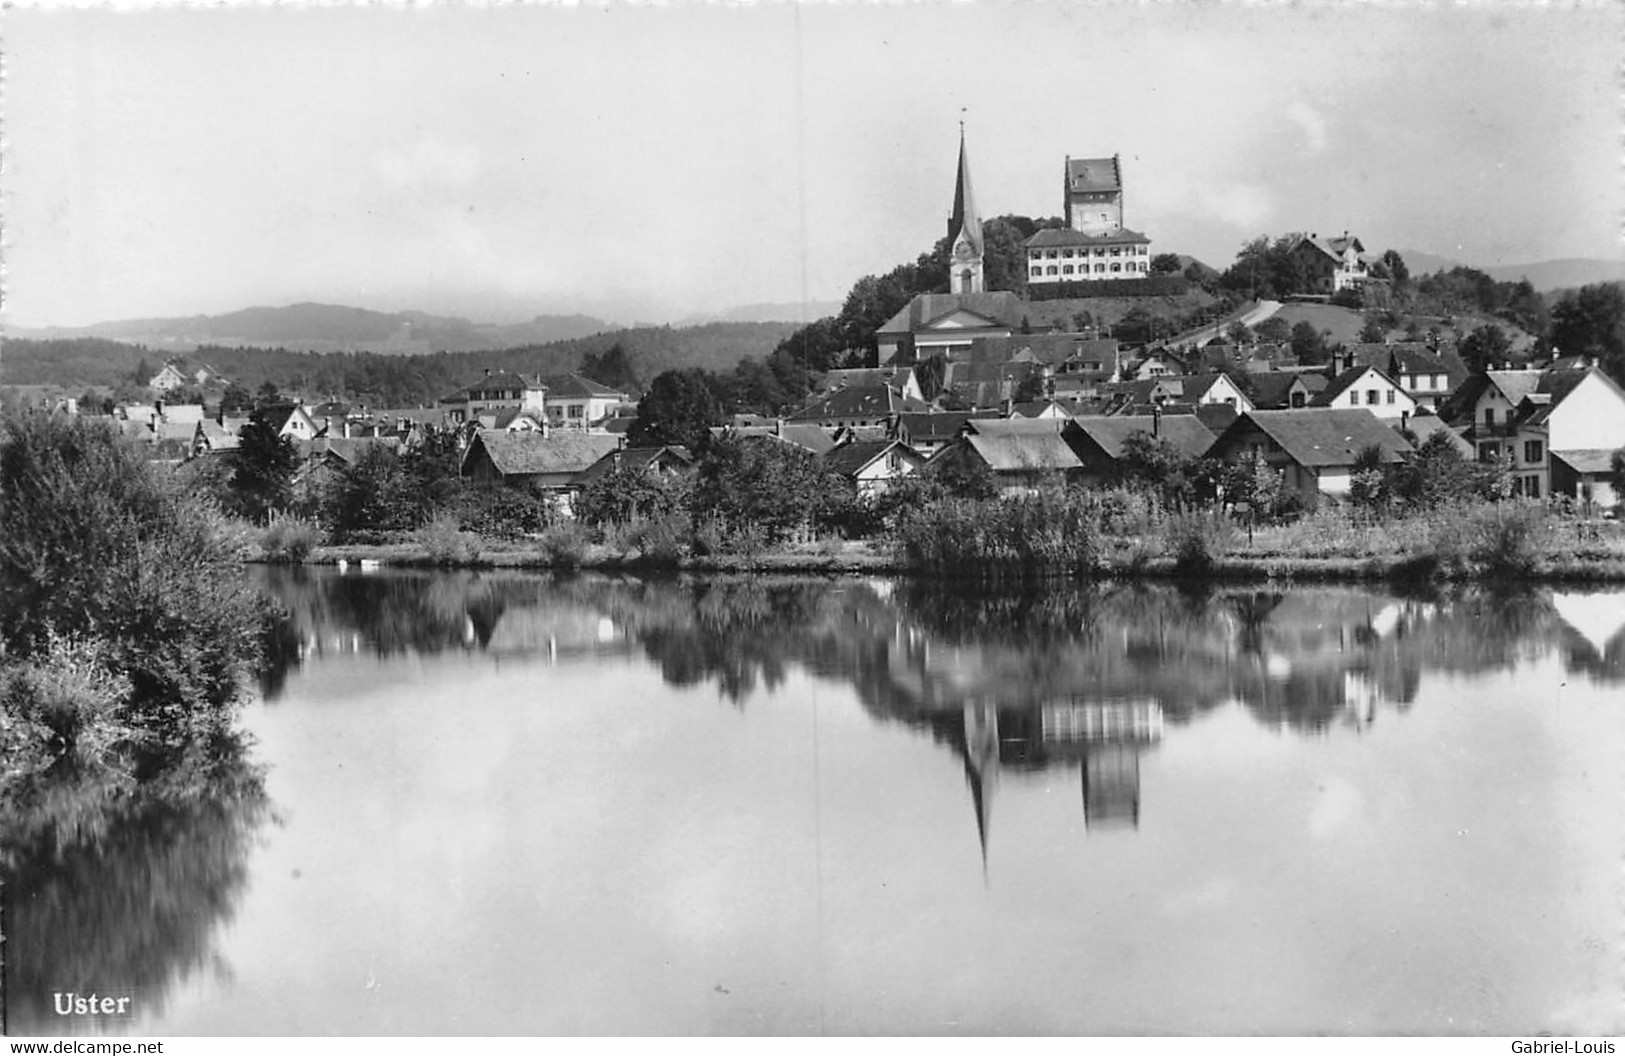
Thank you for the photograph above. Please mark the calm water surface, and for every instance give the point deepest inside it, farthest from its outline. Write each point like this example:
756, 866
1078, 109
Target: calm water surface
505, 804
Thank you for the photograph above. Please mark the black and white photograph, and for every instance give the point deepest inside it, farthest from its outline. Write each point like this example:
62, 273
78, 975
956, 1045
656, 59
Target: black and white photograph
812, 520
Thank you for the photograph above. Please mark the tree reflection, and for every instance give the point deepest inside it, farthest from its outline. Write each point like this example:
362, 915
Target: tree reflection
110, 887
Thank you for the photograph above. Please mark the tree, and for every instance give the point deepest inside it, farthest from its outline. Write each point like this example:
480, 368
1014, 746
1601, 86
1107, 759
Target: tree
1274, 329
1394, 265
1308, 344
1159, 464
1616, 475
263, 465
1485, 348
268, 395
764, 483
1165, 264
1372, 332
1253, 482
679, 408
631, 493
1591, 322
142, 373
374, 494
612, 368
236, 399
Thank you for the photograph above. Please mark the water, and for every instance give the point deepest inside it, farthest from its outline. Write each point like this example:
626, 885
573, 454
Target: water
504, 804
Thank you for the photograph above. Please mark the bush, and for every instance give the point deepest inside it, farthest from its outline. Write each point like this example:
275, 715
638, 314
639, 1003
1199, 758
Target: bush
565, 544
446, 543
1054, 532
290, 539
67, 695
1196, 540
97, 546
497, 511
1506, 538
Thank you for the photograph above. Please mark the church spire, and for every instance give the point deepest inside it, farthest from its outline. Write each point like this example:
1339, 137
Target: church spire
964, 231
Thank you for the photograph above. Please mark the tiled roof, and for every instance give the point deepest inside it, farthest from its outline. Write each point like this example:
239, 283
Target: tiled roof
1086, 175
1272, 390
1342, 383
927, 427
850, 458
1057, 237
1587, 460
1326, 437
1000, 307
814, 438
576, 387
1423, 426
635, 458
1184, 431
532, 453
1015, 444
896, 377
858, 401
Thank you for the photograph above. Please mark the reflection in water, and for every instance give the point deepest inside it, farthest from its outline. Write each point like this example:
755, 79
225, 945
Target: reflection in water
1067, 676
114, 891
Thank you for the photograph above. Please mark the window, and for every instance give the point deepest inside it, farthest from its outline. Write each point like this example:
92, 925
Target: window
1371, 397
1037, 272
1100, 267
1050, 270
1298, 399
1488, 452
1066, 269
1390, 395
1066, 253
1489, 416
1531, 487
1532, 451
573, 411
1117, 267
1050, 253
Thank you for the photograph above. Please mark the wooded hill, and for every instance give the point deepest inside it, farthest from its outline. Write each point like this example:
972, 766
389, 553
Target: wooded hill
389, 380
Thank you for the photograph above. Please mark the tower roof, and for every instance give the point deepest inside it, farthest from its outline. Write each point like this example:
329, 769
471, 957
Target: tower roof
965, 217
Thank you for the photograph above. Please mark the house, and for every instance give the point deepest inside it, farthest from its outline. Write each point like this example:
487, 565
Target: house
667, 460
873, 464
290, 420
809, 436
1101, 442
1038, 409
325, 459
1283, 389
1575, 413
1485, 402
1021, 453
1315, 448
495, 391
1331, 264
858, 406
169, 378
1220, 389
1587, 475
1156, 364
551, 461
1368, 388
900, 378
928, 432
575, 402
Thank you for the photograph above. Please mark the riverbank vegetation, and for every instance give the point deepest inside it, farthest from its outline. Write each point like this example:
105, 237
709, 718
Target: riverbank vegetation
768, 504
128, 631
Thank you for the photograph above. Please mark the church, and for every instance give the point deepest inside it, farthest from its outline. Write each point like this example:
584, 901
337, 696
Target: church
1094, 245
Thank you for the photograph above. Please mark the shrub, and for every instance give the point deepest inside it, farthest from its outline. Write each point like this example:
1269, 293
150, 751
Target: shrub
446, 543
1197, 539
290, 539
1506, 539
67, 693
565, 544
1054, 532
96, 545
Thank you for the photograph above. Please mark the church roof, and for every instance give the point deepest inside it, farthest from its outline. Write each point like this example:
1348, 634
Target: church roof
999, 307
1087, 175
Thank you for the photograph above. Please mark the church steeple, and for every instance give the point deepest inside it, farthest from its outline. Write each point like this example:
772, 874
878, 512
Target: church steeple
964, 231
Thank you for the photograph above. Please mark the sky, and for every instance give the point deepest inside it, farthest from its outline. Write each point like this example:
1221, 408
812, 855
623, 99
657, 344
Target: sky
650, 162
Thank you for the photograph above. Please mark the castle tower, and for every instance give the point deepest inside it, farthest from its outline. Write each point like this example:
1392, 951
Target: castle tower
964, 232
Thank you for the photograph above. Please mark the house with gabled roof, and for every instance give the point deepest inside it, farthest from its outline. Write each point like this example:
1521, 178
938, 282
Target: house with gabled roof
1021, 453
1280, 390
572, 401
872, 465
551, 461
666, 460
1218, 389
1367, 388
1428, 374
1101, 441
291, 420
1315, 449
858, 406
898, 377
808, 436
1575, 414
927, 432
495, 391
1331, 264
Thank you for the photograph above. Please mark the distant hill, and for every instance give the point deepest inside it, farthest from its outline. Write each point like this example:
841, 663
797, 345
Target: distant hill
331, 328
782, 312
1545, 276
383, 379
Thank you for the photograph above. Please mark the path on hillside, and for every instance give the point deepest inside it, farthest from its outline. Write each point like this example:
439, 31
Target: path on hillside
1250, 316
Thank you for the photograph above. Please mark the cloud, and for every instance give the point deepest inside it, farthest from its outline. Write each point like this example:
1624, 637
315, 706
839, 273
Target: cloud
1313, 125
